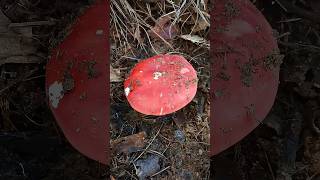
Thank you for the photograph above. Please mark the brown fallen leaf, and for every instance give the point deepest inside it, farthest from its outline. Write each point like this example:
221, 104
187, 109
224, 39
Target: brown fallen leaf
129, 143
201, 25
164, 29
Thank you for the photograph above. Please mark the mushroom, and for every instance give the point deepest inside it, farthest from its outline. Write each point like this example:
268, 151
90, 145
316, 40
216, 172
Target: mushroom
161, 85
77, 83
245, 71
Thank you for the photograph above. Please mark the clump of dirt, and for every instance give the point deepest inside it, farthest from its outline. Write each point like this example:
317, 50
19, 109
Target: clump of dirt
246, 74
68, 82
91, 71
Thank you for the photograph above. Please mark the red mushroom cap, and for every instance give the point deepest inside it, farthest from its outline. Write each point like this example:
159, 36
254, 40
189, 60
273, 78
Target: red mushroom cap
78, 98
245, 71
161, 85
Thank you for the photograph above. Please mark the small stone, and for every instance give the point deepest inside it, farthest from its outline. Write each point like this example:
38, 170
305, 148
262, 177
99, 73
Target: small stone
147, 167
179, 136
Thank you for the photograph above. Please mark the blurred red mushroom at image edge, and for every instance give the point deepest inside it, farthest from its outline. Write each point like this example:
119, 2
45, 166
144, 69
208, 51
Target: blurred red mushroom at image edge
161, 85
245, 71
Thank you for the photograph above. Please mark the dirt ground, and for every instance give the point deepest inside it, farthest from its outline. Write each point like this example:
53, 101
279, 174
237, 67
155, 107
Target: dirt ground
174, 146
285, 146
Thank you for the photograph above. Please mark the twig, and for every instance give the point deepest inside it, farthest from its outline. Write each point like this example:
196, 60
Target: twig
291, 8
160, 171
283, 35
21, 165
21, 60
158, 153
150, 143
23, 77
281, 5
34, 23
130, 174
296, 45
34, 122
32, 78
269, 166
290, 20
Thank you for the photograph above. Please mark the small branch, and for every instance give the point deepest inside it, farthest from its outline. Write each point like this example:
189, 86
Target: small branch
34, 23
291, 8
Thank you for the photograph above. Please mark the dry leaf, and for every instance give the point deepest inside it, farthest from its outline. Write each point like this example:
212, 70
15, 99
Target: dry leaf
115, 75
129, 143
201, 25
196, 39
205, 4
164, 28
137, 35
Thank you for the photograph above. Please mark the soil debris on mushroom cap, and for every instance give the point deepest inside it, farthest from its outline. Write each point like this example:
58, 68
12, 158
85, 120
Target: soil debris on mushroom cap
68, 82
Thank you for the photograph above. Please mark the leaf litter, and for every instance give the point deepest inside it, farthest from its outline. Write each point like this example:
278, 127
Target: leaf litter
259, 156
171, 150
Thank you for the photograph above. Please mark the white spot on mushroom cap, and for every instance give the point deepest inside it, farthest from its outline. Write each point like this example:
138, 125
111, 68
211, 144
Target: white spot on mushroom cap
161, 110
184, 70
161, 94
156, 75
55, 93
140, 71
127, 91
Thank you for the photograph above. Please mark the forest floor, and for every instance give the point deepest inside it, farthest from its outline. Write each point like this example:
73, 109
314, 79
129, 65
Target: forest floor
32, 146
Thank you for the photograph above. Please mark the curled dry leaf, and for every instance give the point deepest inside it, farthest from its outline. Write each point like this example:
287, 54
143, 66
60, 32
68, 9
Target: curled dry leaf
115, 75
164, 28
128, 144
